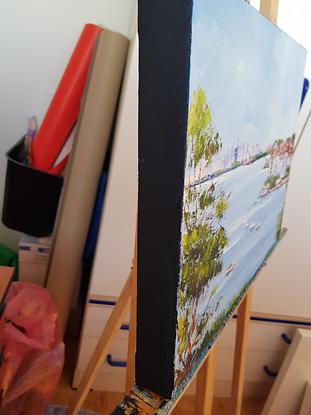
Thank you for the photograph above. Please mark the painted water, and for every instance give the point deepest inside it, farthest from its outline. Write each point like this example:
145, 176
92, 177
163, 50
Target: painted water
250, 223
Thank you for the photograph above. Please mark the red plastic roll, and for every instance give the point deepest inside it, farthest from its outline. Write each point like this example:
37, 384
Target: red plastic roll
59, 168
65, 105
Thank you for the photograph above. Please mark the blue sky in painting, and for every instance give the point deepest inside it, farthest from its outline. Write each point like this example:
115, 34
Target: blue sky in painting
250, 73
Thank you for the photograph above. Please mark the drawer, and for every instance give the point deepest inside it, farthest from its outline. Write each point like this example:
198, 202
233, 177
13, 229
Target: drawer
262, 336
267, 337
256, 360
257, 390
88, 344
107, 379
96, 317
112, 378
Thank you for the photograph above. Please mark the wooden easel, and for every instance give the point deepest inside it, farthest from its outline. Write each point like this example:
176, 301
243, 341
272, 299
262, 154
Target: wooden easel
206, 372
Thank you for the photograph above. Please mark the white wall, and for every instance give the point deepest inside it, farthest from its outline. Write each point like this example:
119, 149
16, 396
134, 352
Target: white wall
36, 41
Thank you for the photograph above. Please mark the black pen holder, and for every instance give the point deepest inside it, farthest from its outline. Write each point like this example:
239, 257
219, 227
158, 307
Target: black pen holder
31, 196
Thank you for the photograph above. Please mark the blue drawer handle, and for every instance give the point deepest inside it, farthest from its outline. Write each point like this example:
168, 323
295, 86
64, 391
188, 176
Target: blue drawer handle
270, 372
287, 339
115, 363
125, 327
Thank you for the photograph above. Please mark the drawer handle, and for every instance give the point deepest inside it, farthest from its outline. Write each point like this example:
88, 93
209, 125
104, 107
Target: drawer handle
270, 372
287, 339
115, 363
125, 327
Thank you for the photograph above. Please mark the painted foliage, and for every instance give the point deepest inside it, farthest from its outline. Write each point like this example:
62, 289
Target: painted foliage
217, 116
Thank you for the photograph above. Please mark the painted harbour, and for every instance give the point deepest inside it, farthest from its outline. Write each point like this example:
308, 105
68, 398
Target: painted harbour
250, 223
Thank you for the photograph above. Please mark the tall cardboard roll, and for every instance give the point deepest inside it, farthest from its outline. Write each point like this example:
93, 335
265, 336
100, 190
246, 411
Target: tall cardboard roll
88, 153
64, 108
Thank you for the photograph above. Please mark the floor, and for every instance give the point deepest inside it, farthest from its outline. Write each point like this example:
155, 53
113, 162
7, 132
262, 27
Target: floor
105, 402
221, 406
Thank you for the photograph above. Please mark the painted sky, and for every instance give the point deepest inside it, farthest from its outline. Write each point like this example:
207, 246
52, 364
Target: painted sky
250, 70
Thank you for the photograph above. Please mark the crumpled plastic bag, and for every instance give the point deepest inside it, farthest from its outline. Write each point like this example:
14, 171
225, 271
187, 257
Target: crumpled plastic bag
33, 353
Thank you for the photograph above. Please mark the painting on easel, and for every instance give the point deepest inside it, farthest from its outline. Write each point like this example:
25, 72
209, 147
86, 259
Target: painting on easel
220, 89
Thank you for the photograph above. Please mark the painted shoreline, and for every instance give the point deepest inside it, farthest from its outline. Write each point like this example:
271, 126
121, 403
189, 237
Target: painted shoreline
220, 173
266, 192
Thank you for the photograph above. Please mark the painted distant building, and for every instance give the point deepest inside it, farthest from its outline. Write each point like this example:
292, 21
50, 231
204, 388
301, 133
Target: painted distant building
235, 154
241, 153
280, 157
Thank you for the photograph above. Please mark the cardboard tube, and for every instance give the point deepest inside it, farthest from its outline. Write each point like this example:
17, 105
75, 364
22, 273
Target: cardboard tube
86, 162
65, 105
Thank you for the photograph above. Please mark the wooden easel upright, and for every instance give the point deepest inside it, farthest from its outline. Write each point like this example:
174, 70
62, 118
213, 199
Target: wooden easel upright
206, 372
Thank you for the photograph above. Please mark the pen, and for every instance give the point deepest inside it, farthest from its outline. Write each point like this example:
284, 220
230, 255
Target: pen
31, 133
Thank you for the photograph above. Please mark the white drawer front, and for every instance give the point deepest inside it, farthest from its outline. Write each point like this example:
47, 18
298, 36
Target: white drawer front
262, 336
256, 360
118, 350
107, 379
96, 317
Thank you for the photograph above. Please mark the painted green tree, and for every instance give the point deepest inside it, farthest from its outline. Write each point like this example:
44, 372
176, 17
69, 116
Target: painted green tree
203, 236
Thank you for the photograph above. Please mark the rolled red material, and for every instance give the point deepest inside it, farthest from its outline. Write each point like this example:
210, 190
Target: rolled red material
65, 105
59, 168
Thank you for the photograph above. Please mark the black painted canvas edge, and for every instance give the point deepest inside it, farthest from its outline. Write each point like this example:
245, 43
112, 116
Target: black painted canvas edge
164, 74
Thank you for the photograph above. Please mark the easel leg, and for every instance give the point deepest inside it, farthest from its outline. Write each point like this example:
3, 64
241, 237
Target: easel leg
269, 8
205, 384
131, 350
240, 353
104, 343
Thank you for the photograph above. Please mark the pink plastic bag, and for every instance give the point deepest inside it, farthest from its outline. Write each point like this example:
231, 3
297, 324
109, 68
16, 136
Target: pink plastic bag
33, 352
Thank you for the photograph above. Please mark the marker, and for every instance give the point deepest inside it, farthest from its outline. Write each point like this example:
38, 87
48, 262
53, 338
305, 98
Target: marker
31, 133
